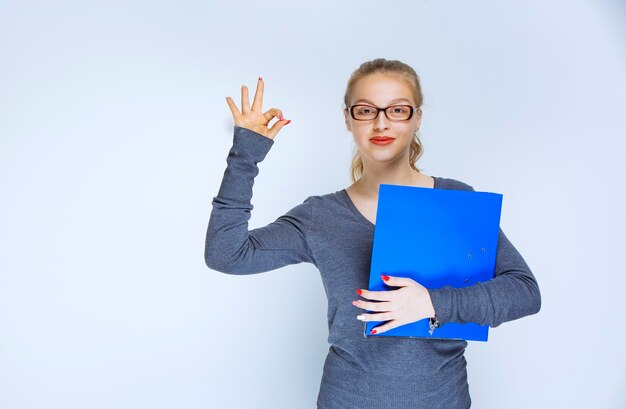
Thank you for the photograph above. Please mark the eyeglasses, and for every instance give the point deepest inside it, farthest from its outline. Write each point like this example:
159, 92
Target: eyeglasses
393, 113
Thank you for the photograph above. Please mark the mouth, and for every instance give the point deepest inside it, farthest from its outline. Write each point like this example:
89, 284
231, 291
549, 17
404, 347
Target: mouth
382, 140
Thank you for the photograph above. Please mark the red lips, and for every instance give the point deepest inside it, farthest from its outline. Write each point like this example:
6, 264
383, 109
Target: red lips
382, 140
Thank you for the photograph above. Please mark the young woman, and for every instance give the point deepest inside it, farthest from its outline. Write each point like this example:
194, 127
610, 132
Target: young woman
335, 233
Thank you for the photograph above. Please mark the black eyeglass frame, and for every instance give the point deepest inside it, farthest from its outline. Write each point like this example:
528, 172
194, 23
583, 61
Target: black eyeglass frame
351, 110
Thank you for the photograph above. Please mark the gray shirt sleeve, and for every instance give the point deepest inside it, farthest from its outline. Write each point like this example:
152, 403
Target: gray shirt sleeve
230, 247
512, 293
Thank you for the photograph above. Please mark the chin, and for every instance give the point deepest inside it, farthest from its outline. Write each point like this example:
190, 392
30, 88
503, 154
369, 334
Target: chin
383, 156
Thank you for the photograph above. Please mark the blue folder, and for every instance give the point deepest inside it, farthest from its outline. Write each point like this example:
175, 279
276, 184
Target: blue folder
437, 237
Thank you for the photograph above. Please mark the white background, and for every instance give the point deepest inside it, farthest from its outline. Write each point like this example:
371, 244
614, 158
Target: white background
114, 132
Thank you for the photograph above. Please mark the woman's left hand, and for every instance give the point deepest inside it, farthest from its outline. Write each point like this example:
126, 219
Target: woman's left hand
409, 303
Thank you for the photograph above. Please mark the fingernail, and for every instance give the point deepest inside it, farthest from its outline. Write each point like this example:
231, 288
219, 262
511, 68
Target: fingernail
260, 78
358, 291
281, 117
385, 277
373, 331
354, 303
288, 122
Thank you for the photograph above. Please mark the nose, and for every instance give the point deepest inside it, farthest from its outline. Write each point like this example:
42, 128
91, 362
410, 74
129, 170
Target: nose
380, 122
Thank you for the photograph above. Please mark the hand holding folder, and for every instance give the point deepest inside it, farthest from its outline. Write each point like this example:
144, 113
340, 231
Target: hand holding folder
437, 237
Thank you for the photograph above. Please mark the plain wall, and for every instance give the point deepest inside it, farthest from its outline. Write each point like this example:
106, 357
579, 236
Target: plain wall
114, 132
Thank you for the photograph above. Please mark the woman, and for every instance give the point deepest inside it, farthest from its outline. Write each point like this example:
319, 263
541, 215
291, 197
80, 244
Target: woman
335, 233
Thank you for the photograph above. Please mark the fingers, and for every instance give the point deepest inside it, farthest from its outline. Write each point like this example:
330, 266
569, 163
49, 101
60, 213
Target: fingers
372, 306
258, 95
376, 295
255, 118
385, 327
273, 113
277, 127
397, 281
233, 108
245, 101
390, 323
381, 316
276, 113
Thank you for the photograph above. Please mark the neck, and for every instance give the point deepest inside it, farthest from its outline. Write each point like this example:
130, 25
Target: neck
375, 174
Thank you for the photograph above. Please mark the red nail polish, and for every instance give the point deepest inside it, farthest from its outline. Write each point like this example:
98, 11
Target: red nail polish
373, 331
260, 78
288, 122
385, 277
358, 292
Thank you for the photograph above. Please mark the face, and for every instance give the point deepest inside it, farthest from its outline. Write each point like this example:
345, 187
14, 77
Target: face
381, 91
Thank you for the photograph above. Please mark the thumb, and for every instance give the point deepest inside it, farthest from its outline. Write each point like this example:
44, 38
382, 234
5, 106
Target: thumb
273, 131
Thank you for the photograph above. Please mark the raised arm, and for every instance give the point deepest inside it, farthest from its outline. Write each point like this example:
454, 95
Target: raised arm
512, 293
230, 247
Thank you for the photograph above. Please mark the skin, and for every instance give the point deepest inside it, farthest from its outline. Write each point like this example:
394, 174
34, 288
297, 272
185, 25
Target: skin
253, 117
389, 164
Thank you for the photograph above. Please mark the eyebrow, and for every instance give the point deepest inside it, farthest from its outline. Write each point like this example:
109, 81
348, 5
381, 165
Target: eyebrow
370, 102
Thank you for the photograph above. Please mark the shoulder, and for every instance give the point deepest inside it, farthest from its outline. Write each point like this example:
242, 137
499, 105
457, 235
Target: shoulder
453, 184
326, 204
311, 210
320, 199
315, 201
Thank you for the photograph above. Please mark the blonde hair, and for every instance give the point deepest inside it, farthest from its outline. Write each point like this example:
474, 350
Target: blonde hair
404, 73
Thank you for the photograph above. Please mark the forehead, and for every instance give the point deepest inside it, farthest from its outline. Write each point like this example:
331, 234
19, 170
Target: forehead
382, 90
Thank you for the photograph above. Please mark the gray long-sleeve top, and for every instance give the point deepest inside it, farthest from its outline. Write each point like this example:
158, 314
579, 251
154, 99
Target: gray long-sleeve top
329, 232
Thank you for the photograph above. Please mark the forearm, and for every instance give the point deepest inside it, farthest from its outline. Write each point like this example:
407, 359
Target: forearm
512, 293
228, 224
230, 247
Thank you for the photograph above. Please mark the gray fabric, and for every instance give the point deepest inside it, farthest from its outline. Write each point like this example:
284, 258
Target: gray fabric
329, 232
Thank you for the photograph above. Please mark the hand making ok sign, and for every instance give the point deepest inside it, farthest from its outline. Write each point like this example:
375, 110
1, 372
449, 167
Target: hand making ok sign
253, 118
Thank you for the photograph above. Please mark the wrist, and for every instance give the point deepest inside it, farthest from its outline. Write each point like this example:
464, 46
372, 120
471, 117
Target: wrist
433, 323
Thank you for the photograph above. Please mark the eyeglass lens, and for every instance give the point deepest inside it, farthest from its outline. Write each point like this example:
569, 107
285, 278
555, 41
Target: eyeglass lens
397, 112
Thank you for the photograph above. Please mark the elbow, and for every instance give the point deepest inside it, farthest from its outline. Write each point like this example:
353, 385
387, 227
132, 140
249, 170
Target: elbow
216, 264
536, 305
530, 306
217, 260
215, 255
210, 255
211, 262
534, 295
214, 261
533, 305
